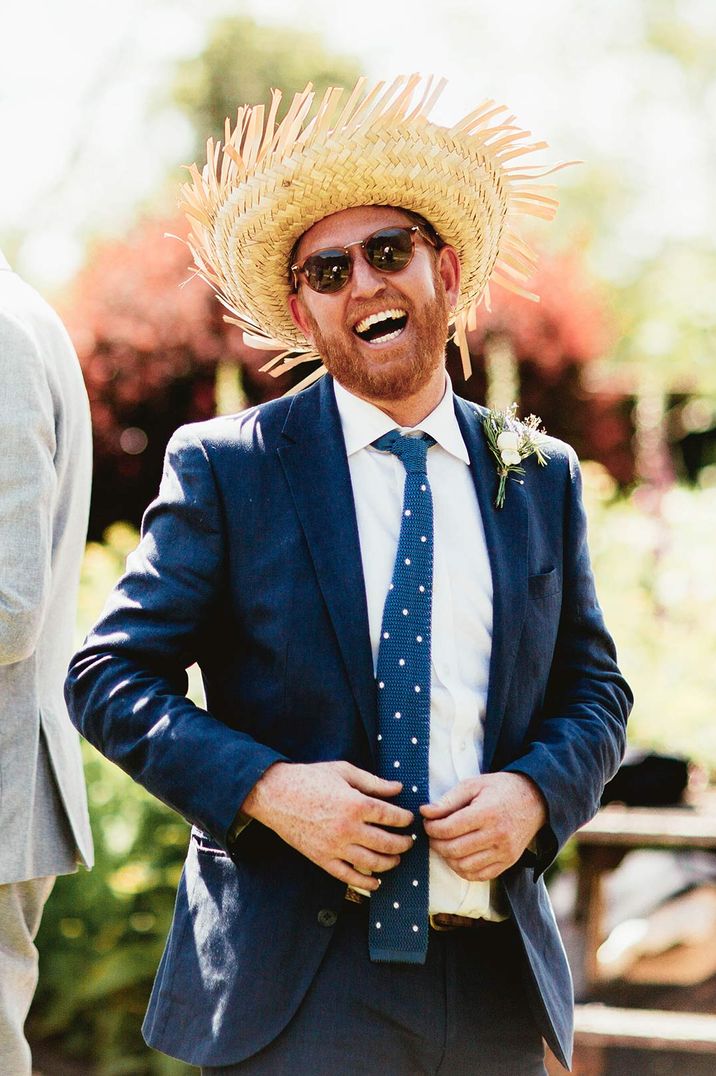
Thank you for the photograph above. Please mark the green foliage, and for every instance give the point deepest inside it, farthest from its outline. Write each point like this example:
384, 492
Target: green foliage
240, 64
103, 565
666, 314
653, 560
103, 932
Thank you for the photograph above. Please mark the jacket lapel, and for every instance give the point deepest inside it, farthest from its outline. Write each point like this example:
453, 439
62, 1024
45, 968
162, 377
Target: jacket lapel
506, 533
314, 460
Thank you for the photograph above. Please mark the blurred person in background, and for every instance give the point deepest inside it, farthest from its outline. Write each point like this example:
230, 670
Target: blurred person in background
412, 700
45, 474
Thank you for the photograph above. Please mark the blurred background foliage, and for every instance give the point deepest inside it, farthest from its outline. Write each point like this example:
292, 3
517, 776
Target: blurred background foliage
240, 63
618, 358
103, 931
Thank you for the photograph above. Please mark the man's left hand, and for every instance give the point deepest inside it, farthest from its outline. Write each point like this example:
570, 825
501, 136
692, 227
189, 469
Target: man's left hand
483, 825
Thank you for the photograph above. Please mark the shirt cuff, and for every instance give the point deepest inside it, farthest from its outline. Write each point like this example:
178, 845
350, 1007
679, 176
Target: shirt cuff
237, 827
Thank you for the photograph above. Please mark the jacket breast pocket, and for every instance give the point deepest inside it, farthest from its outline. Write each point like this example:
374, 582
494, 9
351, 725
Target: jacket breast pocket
543, 584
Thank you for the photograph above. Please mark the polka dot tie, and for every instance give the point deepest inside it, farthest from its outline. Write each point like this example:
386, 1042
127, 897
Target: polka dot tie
399, 908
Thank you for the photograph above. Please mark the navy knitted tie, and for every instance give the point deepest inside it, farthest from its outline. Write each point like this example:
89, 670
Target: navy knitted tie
399, 908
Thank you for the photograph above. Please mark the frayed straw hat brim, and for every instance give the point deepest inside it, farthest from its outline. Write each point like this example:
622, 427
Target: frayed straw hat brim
269, 183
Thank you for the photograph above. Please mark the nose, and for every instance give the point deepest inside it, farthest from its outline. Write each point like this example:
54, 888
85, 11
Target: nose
365, 280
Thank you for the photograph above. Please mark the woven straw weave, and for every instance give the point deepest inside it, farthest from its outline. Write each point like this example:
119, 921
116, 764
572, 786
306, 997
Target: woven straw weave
269, 182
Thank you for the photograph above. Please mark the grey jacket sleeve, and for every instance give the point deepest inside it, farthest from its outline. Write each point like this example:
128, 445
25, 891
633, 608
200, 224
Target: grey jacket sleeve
28, 487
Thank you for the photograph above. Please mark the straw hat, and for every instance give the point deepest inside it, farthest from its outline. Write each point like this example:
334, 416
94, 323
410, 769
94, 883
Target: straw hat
269, 182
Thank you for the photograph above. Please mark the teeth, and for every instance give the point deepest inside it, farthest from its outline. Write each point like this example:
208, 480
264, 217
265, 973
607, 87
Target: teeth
373, 319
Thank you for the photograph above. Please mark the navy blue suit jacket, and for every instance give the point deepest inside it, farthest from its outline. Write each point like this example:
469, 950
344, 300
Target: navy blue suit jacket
250, 565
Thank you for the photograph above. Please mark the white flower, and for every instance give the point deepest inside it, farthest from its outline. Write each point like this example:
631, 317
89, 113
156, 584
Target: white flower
509, 441
510, 457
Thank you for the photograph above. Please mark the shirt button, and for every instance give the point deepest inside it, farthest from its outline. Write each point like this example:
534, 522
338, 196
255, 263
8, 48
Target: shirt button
327, 917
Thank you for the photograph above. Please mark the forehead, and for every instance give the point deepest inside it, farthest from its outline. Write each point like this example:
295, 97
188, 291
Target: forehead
349, 225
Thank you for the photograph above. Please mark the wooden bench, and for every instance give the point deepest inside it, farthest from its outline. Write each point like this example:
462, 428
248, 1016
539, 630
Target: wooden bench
644, 1029
602, 844
597, 1027
616, 830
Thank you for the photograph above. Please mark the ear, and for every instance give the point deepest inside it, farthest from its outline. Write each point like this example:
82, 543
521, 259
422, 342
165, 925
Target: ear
298, 316
449, 269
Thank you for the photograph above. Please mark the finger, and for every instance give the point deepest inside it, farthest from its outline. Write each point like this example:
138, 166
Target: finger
483, 867
369, 783
452, 801
465, 820
380, 840
346, 872
469, 844
386, 814
365, 859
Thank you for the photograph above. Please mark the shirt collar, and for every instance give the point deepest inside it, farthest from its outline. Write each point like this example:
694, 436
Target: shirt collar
363, 423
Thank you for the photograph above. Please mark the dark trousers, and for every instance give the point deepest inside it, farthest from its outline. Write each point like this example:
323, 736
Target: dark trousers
466, 1012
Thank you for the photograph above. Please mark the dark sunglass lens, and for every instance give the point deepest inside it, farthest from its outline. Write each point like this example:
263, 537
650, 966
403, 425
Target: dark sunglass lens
327, 270
390, 249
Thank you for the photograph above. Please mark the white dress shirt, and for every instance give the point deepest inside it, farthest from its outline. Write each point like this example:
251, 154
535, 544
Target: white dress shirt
462, 601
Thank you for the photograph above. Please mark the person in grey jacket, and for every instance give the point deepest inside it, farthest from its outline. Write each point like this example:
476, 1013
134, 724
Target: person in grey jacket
45, 472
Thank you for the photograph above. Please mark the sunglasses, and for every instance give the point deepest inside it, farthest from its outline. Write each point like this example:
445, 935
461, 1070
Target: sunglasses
388, 250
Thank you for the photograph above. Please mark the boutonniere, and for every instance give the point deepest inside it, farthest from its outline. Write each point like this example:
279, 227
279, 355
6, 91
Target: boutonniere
512, 441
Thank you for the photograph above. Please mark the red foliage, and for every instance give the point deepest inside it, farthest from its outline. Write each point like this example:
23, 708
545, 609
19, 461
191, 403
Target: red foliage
553, 341
149, 337
568, 324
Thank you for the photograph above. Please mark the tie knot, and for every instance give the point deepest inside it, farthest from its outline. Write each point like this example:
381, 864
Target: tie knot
411, 450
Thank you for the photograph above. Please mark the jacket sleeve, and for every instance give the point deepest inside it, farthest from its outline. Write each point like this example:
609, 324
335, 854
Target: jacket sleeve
577, 741
126, 686
28, 487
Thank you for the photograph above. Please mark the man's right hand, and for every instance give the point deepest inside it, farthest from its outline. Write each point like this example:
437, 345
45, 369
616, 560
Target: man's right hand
333, 813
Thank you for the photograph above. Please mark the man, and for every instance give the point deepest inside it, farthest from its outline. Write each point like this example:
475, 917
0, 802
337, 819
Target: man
361, 611
45, 470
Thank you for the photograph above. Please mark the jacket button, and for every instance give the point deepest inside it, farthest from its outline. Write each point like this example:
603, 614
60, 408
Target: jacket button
327, 917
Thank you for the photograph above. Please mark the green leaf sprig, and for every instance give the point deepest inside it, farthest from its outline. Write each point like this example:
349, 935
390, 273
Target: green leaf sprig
511, 441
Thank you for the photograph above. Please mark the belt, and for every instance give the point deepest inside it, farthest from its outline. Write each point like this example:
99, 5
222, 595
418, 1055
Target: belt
438, 920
